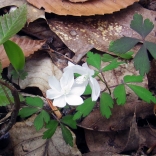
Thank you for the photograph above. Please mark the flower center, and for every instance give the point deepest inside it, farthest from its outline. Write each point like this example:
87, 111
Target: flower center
81, 79
66, 90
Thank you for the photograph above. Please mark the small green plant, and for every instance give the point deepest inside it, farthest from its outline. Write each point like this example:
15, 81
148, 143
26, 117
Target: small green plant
124, 44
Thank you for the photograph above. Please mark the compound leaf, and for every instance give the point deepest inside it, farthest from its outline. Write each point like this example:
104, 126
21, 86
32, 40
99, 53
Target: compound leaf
94, 60
84, 109
40, 119
133, 78
114, 64
34, 101
27, 111
142, 93
151, 48
52, 125
68, 120
12, 23
123, 45
127, 55
67, 135
106, 102
142, 28
141, 61
120, 94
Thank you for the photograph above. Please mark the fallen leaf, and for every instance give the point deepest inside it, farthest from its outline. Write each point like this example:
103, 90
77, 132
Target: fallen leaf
99, 31
33, 12
39, 68
27, 141
95, 7
28, 46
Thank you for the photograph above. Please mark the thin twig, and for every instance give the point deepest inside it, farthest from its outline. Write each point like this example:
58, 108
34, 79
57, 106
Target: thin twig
15, 109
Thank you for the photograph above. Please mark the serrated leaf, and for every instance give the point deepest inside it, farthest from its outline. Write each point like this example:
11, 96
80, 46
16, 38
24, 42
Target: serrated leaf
114, 64
27, 111
3, 97
142, 93
88, 90
67, 135
94, 60
120, 94
84, 109
141, 61
52, 125
34, 101
151, 48
123, 45
40, 119
15, 55
12, 23
142, 28
127, 55
133, 78
106, 102
107, 58
68, 120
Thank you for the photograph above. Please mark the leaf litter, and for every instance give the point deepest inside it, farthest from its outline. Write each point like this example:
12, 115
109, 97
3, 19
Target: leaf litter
101, 134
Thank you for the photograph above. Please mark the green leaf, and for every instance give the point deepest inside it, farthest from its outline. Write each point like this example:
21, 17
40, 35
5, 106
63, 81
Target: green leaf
123, 45
141, 61
94, 60
107, 58
68, 120
127, 55
27, 111
120, 94
34, 101
84, 109
12, 23
114, 64
20, 74
52, 125
67, 135
133, 78
151, 48
142, 93
3, 97
106, 102
40, 119
142, 28
15, 55
88, 90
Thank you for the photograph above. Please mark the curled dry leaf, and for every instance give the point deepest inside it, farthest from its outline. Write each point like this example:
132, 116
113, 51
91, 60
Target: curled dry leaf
75, 1
39, 68
28, 46
27, 141
32, 12
94, 7
99, 31
121, 117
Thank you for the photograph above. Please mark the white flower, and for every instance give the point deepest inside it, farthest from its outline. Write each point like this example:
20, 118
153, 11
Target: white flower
85, 78
65, 91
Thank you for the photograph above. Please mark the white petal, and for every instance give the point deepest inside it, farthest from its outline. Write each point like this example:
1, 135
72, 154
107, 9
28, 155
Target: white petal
95, 88
89, 71
78, 89
59, 102
67, 79
52, 94
73, 99
54, 83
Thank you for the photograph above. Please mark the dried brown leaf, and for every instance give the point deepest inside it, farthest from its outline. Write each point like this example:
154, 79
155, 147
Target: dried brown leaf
96, 7
28, 46
27, 141
99, 31
32, 12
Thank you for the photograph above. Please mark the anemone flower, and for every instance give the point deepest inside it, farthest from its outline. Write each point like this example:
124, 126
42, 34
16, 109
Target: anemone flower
85, 78
65, 91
